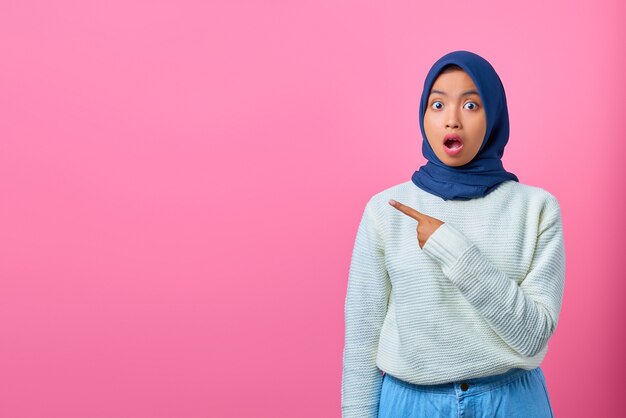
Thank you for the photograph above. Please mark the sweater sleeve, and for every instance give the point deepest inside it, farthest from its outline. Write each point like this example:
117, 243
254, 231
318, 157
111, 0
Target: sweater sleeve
365, 309
524, 315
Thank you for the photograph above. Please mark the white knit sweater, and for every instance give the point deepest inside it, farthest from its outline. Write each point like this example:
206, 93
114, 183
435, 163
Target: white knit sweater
482, 296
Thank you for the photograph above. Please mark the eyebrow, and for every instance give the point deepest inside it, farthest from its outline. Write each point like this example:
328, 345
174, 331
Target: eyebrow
466, 93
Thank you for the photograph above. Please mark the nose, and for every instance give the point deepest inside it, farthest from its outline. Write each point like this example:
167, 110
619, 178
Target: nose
452, 121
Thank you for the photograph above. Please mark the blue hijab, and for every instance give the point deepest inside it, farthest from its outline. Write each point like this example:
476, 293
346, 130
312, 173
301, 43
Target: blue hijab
485, 172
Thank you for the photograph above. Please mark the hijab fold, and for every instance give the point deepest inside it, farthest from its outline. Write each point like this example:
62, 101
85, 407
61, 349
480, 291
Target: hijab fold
485, 172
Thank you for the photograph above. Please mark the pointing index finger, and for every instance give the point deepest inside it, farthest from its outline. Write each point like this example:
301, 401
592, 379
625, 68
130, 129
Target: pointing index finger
407, 210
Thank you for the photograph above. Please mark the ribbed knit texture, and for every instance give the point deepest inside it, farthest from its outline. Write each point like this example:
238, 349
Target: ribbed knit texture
482, 296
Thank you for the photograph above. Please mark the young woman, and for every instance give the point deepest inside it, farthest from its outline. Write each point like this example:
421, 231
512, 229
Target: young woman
457, 276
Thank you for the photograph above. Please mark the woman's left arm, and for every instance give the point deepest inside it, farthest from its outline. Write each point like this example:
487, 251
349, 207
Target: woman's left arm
525, 315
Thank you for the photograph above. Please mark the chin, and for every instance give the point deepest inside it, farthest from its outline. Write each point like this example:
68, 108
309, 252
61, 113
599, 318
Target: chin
454, 164
451, 162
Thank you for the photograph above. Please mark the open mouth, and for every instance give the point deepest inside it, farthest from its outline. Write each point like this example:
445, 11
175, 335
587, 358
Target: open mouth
452, 143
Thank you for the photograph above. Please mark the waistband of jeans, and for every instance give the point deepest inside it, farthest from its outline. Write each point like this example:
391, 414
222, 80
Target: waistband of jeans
478, 383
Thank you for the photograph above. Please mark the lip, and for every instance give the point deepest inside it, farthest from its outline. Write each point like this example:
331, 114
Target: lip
452, 152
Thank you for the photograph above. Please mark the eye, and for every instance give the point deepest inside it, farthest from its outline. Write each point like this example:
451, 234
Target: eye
437, 105
471, 105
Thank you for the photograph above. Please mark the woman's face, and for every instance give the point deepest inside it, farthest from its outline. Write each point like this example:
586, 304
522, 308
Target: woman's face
455, 122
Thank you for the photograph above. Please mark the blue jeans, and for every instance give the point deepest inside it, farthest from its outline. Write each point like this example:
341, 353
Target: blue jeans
516, 393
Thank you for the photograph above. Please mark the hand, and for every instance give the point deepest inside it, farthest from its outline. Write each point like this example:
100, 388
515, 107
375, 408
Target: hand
426, 225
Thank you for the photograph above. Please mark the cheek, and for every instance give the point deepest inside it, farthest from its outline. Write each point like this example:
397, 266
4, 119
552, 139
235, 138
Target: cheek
479, 130
483, 132
483, 123
429, 131
429, 122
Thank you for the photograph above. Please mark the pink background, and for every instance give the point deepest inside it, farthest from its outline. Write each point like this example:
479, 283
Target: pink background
181, 184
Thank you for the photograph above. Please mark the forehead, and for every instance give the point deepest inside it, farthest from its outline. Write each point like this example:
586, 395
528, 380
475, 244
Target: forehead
453, 81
